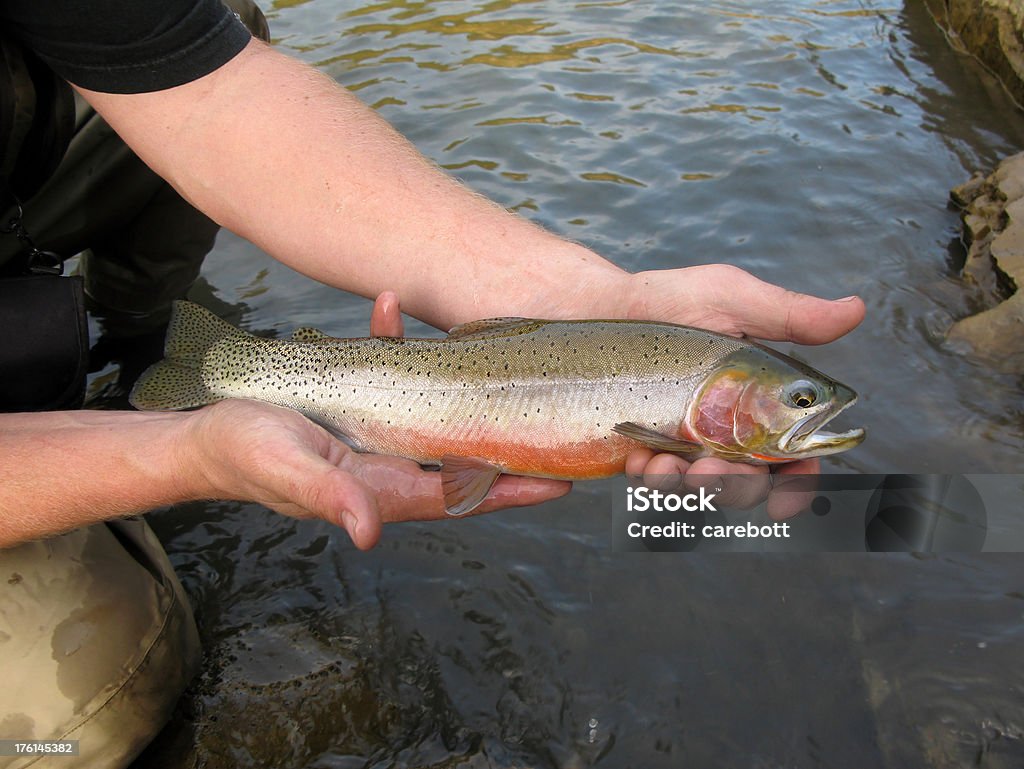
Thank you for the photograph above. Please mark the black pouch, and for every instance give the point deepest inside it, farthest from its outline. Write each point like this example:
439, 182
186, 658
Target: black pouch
44, 337
44, 343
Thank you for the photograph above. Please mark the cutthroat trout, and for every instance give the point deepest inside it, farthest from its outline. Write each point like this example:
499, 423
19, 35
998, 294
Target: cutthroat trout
553, 399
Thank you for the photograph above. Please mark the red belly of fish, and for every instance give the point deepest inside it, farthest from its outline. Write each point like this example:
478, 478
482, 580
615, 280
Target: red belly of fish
571, 460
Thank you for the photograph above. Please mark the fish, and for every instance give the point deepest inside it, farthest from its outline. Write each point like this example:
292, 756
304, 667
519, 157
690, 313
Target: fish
563, 399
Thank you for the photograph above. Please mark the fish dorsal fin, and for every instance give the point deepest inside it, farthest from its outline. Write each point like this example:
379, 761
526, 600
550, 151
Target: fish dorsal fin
465, 482
658, 441
309, 334
493, 327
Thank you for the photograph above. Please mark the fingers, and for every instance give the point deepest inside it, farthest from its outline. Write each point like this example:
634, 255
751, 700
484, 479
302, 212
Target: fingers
767, 311
742, 486
795, 486
406, 492
788, 490
734, 485
386, 318
519, 491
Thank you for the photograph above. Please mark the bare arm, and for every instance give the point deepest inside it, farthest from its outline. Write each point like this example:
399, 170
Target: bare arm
63, 470
282, 155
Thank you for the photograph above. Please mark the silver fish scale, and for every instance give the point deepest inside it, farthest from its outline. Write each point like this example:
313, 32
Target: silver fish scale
563, 382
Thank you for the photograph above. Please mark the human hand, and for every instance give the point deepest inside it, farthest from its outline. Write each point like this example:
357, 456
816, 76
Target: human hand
254, 451
729, 300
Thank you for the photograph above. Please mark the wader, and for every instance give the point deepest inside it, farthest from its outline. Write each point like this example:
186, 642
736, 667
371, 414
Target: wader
97, 639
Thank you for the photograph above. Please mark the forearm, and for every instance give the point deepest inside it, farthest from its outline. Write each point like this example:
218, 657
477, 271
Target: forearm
62, 470
285, 157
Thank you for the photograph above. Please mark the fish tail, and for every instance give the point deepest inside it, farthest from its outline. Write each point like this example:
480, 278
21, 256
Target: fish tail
177, 381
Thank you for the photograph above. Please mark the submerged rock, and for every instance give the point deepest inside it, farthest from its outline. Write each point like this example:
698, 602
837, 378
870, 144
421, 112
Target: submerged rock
993, 217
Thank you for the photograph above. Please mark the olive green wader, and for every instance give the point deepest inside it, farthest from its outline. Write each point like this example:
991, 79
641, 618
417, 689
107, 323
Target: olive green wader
97, 639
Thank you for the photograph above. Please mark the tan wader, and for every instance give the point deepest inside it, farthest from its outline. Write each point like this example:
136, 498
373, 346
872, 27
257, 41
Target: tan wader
97, 642
97, 639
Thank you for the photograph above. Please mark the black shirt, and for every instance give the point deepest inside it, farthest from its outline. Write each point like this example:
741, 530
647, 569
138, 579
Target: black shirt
126, 46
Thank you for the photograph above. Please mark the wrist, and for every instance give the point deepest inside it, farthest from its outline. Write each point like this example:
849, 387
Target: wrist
196, 458
573, 282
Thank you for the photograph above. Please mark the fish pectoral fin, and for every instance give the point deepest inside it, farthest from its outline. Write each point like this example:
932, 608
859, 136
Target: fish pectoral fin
309, 334
658, 441
493, 327
465, 482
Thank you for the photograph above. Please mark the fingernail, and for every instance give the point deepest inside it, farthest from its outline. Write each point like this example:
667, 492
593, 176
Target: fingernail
350, 522
848, 298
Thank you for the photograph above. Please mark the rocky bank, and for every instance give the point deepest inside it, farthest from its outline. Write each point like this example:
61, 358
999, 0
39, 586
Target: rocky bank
990, 30
993, 207
993, 231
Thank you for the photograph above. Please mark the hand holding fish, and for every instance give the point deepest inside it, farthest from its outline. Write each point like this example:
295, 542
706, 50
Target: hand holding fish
727, 299
278, 458
274, 456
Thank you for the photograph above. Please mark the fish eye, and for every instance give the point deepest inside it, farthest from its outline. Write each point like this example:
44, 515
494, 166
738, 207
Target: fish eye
802, 394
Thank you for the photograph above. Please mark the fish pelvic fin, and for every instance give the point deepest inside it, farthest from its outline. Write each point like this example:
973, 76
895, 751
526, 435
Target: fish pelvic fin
176, 382
659, 441
465, 482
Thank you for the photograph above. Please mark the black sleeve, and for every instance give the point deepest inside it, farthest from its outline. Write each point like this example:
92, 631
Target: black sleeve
127, 46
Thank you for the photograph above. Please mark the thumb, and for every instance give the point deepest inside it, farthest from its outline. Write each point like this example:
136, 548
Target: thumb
767, 311
325, 491
348, 503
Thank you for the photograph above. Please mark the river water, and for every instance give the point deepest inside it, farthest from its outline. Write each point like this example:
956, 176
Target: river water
812, 143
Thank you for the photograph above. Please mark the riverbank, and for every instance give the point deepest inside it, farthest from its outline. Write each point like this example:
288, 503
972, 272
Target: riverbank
993, 231
992, 31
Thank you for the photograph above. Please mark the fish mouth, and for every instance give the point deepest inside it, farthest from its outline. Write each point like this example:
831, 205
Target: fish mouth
807, 438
